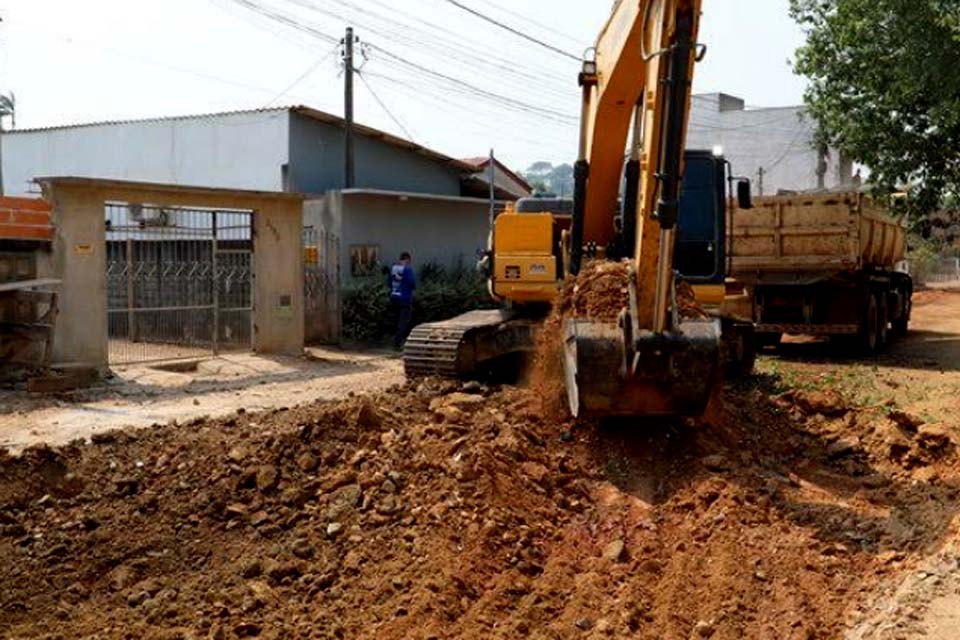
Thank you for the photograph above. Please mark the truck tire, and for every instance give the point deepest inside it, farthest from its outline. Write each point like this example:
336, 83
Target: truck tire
764, 340
901, 325
883, 321
740, 351
870, 327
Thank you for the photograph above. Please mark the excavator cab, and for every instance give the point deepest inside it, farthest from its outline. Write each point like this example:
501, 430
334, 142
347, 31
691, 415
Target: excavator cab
701, 229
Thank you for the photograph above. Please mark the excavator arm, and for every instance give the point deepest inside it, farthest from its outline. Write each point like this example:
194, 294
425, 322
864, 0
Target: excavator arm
641, 76
651, 362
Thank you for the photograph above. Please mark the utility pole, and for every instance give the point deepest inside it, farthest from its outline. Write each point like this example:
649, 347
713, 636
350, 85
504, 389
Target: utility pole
762, 172
493, 189
349, 176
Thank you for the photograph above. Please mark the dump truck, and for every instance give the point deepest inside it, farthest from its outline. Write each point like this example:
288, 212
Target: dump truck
823, 265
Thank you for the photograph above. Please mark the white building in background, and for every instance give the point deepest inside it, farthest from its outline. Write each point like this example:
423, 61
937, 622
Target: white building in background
773, 147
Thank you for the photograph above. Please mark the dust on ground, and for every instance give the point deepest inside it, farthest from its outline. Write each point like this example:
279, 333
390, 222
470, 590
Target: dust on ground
818, 492
144, 395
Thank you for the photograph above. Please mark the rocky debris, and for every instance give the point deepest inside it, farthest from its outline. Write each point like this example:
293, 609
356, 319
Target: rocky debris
367, 416
843, 447
303, 548
934, 438
717, 463
307, 462
268, 476
905, 421
819, 402
459, 511
614, 551
238, 454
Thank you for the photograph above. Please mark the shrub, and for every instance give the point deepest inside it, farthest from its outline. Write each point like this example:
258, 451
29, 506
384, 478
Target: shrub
442, 293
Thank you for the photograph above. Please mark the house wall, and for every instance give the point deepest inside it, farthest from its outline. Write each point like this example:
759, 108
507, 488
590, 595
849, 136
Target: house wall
447, 231
778, 140
317, 166
234, 151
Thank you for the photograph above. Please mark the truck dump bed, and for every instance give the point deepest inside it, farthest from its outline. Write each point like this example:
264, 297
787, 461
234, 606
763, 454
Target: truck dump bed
820, 233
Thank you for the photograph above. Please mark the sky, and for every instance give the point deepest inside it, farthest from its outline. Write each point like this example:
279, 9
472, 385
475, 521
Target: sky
430, 71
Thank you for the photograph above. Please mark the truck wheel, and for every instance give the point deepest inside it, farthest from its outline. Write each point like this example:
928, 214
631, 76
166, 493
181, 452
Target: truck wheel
870, 328
883, 321
768, 340
740, 355
901, 325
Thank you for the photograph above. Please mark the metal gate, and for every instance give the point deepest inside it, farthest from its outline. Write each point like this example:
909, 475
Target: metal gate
179, 282
321, 286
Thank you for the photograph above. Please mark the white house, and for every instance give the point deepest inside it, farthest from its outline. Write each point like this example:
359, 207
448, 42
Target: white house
773, 147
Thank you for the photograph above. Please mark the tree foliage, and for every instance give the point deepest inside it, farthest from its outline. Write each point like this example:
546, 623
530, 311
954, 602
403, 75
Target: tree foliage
885, 88
8, 106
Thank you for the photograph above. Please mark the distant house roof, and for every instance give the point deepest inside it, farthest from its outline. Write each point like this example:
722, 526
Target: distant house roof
507, 184
479, 164
307, 112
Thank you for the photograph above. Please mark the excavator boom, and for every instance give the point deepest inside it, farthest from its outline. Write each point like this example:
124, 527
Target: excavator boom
651, 362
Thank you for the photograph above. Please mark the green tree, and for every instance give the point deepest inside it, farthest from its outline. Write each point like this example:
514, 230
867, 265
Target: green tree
884, 89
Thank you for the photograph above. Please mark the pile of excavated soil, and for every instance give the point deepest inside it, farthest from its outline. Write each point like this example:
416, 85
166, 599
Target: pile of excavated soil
601, 292
448, 512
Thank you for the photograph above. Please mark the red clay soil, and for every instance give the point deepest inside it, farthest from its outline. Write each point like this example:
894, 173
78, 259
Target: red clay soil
601, 292
449, 513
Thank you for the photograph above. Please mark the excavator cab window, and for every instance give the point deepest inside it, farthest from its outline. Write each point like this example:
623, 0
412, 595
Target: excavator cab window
700, 254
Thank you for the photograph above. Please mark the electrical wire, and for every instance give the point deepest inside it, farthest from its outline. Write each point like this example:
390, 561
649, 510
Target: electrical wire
448, 79
481, 52
303, 76
285, 20
535, 23
383, 106
422, 40
479, 91
514, 31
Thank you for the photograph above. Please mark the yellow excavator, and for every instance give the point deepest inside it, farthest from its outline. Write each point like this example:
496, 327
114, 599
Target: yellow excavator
636, 86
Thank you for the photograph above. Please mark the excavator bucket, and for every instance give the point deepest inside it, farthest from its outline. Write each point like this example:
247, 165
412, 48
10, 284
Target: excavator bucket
672, 374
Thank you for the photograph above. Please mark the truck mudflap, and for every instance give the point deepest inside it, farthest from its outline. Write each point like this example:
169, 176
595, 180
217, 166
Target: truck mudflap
674, 374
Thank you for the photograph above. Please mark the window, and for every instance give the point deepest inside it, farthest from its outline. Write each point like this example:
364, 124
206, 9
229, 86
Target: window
364, 260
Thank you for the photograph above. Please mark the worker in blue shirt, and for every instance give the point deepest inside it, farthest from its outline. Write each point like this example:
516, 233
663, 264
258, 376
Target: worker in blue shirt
403, 282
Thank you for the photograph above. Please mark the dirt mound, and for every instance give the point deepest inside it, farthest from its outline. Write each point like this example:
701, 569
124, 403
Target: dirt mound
449, 512
599, 293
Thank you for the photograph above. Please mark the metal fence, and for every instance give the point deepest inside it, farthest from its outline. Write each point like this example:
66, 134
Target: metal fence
934, 271
179, 282
322, 285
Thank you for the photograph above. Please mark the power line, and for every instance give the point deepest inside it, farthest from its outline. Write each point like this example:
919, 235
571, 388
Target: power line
383, 106
285, 20
515, 32
303, 76
481, 52
479, 91
419, 39
481, 121
543, 26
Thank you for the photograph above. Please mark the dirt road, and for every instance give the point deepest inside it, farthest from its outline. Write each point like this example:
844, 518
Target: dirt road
818, 500
143, 396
